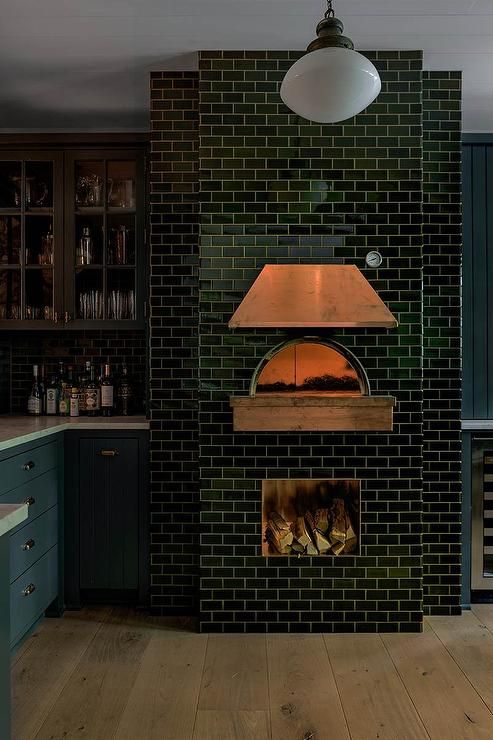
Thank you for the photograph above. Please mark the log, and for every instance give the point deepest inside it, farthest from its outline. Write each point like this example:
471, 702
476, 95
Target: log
302, 535
278, 532
342, 536
322, 520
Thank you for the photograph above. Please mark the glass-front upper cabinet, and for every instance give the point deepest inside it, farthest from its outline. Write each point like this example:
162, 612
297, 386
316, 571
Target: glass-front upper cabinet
104, 237
31, 217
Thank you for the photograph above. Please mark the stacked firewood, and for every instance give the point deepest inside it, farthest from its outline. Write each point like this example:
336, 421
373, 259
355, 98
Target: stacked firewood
327, 531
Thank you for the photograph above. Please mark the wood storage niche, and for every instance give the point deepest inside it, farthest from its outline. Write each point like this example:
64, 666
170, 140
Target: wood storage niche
310, 518
311, 384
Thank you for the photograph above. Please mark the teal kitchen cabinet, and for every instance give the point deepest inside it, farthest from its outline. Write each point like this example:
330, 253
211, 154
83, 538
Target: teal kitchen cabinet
32, 474
10, 516
106, 518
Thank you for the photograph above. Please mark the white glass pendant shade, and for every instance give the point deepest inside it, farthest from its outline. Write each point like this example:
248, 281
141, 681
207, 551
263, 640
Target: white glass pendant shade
330, 84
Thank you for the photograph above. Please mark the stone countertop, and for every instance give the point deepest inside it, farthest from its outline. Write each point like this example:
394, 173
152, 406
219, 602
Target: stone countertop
11, 515
17, 430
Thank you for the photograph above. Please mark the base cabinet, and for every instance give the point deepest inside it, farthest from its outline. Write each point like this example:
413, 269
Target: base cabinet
33, 474
106, 543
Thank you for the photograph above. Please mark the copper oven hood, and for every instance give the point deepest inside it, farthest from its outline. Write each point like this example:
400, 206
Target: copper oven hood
298, 296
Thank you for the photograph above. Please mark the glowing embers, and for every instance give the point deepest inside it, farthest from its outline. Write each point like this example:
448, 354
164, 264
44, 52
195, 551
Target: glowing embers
310, 517
310, 368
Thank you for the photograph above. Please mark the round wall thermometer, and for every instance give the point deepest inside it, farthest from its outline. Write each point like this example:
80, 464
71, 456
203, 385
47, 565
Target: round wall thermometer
374, 259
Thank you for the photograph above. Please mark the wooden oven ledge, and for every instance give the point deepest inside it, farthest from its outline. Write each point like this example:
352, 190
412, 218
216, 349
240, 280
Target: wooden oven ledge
290, 413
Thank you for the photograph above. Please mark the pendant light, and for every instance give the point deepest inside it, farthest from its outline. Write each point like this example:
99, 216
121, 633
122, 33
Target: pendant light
332, 82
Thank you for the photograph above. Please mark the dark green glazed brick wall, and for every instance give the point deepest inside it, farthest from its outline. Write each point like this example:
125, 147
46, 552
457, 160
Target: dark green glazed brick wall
277, 189
442, 355
173, 331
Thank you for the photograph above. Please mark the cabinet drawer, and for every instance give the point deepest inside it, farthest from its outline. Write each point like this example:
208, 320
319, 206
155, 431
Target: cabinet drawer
41, 494
32, 593
21, 469
28, 544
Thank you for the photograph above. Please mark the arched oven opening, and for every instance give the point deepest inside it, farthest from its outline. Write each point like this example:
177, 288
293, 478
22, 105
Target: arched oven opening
310, 367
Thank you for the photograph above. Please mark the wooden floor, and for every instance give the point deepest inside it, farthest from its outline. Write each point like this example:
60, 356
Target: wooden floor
107, 673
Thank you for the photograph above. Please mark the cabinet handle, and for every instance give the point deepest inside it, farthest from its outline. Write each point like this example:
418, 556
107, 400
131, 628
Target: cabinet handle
109, 453
28, 545
28, 466
29, 589
30, 501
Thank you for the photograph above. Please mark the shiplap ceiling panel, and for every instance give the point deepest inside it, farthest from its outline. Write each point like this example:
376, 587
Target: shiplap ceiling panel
71, 65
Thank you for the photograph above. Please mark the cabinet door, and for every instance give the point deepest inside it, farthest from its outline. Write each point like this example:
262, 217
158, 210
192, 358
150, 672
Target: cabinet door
109, 513
31, 239
104, 237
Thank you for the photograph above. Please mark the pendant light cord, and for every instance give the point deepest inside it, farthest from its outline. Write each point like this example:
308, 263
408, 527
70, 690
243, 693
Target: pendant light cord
330, 12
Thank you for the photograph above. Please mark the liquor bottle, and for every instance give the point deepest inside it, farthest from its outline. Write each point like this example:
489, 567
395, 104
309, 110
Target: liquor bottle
35, 401
124, 394
61, 372
52, 397
107, 392
92, 394
42, 382
83, 380
74, 401
64, 399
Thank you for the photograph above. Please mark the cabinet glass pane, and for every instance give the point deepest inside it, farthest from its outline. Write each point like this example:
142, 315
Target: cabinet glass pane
89, 240
121, 184
89, 294
10, 294
39, 294
10, 184
10, 240
120, 294
39, 185
89, 184
39, 240
121, 240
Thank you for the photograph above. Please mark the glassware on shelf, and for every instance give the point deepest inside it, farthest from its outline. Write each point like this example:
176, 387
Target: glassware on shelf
10, 240
39, 312
121, 304
47, 245
118, 253
91, 305
85, 248
89, 191
121, 193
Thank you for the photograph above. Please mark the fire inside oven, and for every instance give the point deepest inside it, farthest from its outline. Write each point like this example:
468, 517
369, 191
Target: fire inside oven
305, 367
310, 517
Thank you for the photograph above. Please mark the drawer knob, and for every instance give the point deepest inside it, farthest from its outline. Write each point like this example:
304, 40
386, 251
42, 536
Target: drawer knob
28, 466
30, 501
28, 545
109, 453
29, 589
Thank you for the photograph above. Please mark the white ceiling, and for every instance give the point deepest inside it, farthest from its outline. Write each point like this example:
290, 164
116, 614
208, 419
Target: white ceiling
83, 64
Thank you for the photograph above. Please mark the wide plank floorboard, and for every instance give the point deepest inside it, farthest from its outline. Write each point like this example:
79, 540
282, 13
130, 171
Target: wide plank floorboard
484, 612
164, 697
93, 699
303, 695
214, 724
447, 703
470, 643
45, 663
375, 702
235, 674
